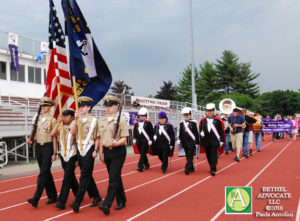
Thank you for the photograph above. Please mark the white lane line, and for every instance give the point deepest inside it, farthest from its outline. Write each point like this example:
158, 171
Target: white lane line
254, 178
54, 171
133, 188
298, 212
126, 174
182, 191
78, 175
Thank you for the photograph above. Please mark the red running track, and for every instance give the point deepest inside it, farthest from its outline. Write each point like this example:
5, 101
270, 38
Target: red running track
152, 195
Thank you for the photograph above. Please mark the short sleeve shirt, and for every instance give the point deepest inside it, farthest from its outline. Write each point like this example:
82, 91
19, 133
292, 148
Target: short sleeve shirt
45, 125
105, 130
239, 120
66, 135
86, 125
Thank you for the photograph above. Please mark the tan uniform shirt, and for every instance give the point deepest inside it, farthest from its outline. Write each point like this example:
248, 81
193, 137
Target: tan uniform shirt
85, 128
105, 130
45, 125
66, 133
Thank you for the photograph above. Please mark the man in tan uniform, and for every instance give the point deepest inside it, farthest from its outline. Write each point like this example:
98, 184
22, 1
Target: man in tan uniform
44, 153
86, 152
114, 151
68, 156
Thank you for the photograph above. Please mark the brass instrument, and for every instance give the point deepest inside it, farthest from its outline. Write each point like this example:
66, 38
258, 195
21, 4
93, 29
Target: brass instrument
226, 106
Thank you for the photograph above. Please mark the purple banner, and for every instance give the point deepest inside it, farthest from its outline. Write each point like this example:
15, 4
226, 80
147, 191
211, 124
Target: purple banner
134, 117
14, 65
277, 126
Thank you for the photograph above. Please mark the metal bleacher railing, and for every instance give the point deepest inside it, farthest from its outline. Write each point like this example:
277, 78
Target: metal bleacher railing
27, 47
16, 114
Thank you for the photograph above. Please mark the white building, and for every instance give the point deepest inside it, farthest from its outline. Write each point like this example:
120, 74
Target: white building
30, 80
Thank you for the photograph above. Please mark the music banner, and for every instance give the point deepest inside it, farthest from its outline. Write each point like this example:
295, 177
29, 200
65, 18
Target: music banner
277, 126
133, 118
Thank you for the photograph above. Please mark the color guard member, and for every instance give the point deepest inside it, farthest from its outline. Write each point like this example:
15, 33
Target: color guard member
68, 157
113, 153
45, 152
87, 153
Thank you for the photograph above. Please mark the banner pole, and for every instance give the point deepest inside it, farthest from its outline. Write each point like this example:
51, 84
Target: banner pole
78, 119
61, 123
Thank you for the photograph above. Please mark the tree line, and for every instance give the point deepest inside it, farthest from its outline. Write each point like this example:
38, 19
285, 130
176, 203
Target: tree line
230, 78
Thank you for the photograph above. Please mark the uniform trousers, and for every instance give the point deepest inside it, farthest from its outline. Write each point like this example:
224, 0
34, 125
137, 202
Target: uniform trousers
212, 156
163, 152
86, 181
143, 158
69, 181
189, 154
114, 160
45, 178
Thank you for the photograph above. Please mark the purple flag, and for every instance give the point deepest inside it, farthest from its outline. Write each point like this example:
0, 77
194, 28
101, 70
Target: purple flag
134, 117
14, 65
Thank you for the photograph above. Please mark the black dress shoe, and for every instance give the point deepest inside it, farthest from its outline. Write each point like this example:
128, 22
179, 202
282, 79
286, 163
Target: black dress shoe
104, 209
51, 201
258, 150
246, 156
60, 206
75, 207
147, 167
96, 201
187, 172
164, 171
226, 152
120, 206
236, 159
213, 173
140, 170
33, 202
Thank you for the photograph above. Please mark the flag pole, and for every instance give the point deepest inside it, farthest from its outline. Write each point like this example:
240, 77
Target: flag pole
61, 123
78, 120
59, 100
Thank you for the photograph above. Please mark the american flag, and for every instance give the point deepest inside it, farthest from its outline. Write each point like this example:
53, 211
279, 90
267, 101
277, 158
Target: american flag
58, 69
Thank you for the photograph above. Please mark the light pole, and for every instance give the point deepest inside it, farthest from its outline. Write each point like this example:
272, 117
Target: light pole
194, 99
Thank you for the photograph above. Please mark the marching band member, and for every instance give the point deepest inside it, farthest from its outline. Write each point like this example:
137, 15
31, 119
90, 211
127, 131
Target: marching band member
68, 157
164, 139
212, 137
113, 153
249, 120
143, 138
86, 153
227, 132
45, 152
188, 138
236, 124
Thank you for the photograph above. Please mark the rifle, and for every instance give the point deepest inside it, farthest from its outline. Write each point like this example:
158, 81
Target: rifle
118, 117
34, 126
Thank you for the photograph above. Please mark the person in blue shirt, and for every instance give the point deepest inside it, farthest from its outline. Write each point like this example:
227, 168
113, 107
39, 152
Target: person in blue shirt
236, 123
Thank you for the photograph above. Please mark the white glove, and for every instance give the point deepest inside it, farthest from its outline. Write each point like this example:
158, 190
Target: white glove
178, 142
150, 143
171, 147
221, 144
202, 134
154, 137
134, 141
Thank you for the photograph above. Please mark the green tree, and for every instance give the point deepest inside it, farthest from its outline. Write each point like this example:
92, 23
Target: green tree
235, 76
118, 88
278, 102
167, 91
207, 84
184, 85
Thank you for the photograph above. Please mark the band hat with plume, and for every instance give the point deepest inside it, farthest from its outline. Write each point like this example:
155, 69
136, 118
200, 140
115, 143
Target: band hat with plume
110, 100
46, 101
210, 106
84, 101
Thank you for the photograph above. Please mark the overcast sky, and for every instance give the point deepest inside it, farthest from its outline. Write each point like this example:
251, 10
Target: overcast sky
147, 41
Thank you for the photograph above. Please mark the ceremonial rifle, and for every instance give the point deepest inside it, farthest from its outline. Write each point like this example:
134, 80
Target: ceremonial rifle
34, 126
118, 117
